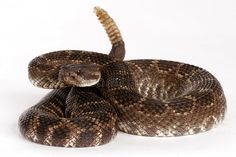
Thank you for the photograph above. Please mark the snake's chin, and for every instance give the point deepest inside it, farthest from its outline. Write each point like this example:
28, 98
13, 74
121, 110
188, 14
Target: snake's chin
87, 83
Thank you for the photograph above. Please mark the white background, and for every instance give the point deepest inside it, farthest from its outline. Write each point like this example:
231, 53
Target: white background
200, 32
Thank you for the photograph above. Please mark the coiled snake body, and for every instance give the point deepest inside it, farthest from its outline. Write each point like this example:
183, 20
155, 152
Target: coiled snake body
141, 97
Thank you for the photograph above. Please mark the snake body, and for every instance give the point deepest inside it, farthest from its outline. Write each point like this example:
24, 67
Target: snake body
141, 97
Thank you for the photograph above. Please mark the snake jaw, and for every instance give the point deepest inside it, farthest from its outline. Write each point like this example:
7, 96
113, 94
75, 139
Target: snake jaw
89, 82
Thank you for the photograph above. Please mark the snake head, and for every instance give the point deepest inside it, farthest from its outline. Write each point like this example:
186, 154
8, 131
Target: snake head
80, 75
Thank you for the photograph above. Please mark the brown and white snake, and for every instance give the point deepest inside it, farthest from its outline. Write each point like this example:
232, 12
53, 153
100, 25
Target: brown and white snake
95, 95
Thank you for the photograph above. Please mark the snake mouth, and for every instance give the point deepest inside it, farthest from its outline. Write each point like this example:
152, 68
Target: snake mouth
88, 82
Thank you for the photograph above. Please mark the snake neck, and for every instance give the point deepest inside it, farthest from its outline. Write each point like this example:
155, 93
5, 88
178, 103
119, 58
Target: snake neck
116, 76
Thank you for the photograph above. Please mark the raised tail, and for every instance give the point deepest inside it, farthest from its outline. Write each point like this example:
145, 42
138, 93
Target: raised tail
113, 32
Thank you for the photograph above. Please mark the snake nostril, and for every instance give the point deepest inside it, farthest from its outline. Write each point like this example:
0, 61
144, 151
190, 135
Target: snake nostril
73, 77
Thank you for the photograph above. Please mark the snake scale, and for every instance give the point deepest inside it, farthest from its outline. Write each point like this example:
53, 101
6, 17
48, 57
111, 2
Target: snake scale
94, 95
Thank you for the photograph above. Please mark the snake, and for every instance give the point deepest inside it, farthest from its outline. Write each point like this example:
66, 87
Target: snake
95, 95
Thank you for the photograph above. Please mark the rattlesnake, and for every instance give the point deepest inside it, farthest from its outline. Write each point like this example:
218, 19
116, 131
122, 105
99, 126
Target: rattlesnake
95, 95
